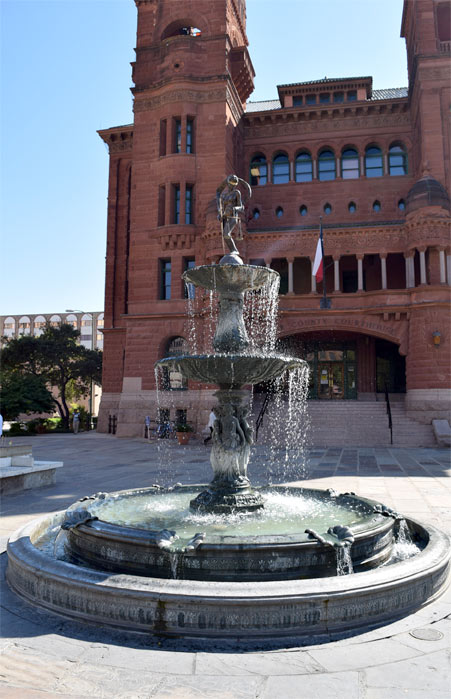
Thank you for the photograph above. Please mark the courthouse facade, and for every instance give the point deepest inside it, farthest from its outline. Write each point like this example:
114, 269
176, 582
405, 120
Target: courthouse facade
374, 164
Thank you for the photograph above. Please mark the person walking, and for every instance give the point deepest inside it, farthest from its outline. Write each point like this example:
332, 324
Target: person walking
147, 427
76, 421
211, 422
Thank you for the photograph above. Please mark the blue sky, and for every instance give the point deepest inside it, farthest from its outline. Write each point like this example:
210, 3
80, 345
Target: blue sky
66, 73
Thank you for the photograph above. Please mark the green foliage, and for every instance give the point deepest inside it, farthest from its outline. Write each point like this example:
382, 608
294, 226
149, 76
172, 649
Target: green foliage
183, 427
24, 393
58, 360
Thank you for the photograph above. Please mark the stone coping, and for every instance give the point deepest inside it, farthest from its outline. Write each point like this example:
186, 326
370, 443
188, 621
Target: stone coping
10, 471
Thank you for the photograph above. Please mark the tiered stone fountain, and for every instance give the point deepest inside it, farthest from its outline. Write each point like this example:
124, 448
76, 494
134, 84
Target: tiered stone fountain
135, 559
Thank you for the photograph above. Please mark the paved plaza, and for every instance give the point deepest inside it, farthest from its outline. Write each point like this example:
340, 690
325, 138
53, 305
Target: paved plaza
48, 656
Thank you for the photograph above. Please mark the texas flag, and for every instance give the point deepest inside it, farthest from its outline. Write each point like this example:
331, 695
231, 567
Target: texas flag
318, 263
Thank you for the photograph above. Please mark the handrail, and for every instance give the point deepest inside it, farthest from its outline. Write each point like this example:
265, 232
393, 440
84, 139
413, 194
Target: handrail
390, 421
261, 414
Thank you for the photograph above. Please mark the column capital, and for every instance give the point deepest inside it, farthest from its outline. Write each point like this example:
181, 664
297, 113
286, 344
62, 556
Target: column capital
408, 254
383, 255
336, 258
290, 259
360, 255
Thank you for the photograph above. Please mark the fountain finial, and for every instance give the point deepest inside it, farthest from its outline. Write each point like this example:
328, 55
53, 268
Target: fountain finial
230, 205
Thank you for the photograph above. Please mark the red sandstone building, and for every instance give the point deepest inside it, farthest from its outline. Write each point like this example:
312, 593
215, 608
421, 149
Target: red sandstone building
375, 164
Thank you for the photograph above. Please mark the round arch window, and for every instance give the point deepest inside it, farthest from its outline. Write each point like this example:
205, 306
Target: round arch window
327, 209
279, 212
352, 208
256, 214
303, 210
401, 205
377, 206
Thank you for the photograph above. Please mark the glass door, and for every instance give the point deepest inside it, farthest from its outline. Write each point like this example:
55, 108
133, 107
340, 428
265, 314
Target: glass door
330, 380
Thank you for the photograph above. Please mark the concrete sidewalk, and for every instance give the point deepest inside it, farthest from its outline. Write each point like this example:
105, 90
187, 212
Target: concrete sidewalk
45, 655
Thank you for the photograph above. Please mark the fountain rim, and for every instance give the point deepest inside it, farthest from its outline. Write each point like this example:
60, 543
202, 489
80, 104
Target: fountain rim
434, 557
372, 525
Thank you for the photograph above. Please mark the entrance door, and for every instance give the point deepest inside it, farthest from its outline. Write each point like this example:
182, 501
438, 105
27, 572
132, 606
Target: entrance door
330, 380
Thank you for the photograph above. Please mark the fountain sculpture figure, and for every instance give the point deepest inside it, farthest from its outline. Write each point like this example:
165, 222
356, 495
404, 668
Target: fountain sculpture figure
232, 366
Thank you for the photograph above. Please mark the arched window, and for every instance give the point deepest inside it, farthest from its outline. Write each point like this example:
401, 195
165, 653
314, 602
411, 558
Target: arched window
181, 28
71, 319
350, 164
397, 160
303, 168
9, 327
326, 165
374, 166
39, 325
377, 206
24, 325
172, 379
280, 169
279, 212
303, 210
55, 320
99, 335
256, 214
352, 208
258, 170
327, 209
401, 205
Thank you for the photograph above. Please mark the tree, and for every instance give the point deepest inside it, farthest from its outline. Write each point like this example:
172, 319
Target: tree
58, 360
24, 393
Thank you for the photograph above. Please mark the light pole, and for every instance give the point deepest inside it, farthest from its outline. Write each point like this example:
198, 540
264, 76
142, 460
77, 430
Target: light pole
77, 310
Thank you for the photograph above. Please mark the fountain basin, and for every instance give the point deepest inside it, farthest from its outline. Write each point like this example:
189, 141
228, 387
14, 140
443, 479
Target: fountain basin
230, 278
288, 611
255, 547
231, 370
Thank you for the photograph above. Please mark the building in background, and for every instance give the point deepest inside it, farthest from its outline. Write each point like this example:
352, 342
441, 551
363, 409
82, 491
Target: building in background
90, 326
374, 164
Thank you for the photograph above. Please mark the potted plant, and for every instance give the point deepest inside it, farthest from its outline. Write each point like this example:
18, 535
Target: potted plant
183, 432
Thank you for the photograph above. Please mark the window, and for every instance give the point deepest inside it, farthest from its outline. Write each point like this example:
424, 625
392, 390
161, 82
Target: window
401, 205
173, 380
99, 337
176, 203
259, 170
190, 289
165, 276
303, 210
352, 208
161, 204
297, 101
279, 212
351, 95
100, 321
327, 209
177, 135
397, 160
350, 164
324, 97
339, 97
377, 206
163, 128
326, 165
303, 168
280, 169
189, 214
256, 214
310, 99
190, 135
373, 162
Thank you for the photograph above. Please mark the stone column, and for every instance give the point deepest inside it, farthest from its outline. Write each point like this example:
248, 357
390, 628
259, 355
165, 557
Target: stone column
268, 262
313, 276
442, 266
362, 165
359, 272
385, 157
422, 252
448, 267
268, 165
383, 258
291, 171
336, 273
290, 261
338, 168
183, 126
314, 169
410, 270
169, 135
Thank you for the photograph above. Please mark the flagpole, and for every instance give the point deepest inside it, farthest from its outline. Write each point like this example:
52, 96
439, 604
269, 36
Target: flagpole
324, 303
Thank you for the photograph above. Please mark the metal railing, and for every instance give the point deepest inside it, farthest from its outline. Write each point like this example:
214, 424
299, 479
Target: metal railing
261, 414
390, 421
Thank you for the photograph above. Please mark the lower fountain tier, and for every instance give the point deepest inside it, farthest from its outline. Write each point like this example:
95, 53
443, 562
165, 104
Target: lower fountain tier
223, 554
231, 370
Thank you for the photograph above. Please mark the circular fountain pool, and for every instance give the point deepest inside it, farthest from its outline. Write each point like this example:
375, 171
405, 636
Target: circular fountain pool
295, 535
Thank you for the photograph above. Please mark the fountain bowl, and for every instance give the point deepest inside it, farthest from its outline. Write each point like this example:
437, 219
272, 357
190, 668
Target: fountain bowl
231, 370
230, 278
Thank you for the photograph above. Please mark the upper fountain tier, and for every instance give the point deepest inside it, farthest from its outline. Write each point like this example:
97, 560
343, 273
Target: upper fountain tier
228, 278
